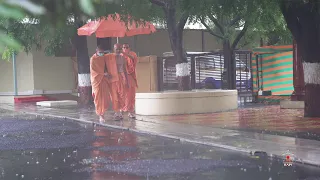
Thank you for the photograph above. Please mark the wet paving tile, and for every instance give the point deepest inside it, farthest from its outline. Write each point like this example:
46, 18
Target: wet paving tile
90, 152
269, 119
308, 151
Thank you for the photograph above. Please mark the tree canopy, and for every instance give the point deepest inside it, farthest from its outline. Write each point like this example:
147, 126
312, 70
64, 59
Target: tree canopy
242, 21
11, 11
53, 22
48, 24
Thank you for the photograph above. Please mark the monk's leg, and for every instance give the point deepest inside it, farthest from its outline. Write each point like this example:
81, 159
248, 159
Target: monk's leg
122, 95
101, 99
120, 99
115, 99
125, 96
97, 107
131, 97
105, 97
130, 101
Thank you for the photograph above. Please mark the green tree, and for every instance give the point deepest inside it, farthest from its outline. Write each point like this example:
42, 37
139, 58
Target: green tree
10, 12
237, 23
54, 28
303, 20
174, 14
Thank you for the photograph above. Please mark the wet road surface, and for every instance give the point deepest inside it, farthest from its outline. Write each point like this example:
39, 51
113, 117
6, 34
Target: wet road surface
43, 148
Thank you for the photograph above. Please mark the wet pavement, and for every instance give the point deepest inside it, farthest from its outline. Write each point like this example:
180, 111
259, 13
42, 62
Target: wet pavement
34, 147
256, 118
189, 128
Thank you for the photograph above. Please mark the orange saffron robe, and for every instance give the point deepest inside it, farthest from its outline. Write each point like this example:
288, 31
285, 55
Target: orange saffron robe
100, 86
130, 94
116, 83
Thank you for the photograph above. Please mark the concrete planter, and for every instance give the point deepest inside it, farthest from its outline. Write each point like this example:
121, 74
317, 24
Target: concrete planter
186, 102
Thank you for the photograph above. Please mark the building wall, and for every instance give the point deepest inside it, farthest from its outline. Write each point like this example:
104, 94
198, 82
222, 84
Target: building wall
56, 74
192, 40
158, 43
24, 65
52, 74
25, 76
6, 76
210, 42
38, 73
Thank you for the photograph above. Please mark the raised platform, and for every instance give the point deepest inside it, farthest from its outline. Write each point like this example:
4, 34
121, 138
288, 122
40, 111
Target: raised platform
22, 99
287, 104
33, 98
37, 98
57, 103
186, 102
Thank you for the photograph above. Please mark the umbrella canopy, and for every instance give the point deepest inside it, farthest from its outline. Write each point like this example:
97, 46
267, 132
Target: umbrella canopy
114, 27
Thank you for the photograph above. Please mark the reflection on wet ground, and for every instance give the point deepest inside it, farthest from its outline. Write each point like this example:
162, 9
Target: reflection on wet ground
261, 119
37, 148
267, 119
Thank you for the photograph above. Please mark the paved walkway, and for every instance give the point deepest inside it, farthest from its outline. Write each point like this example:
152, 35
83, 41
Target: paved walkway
261, 119
199, 129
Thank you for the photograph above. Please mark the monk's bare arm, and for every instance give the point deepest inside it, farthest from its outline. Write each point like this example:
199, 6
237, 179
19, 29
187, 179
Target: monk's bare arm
124, 66
91, 64
125, 71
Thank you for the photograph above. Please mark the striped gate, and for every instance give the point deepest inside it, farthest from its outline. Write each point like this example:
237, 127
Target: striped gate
272, 69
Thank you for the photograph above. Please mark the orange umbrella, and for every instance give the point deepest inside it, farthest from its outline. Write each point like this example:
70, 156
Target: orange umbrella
114, 27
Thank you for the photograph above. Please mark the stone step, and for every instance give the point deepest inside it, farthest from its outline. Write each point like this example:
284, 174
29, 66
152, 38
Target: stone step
57, 103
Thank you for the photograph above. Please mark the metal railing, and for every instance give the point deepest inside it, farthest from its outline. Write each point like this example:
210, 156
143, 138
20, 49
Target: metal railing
206, 70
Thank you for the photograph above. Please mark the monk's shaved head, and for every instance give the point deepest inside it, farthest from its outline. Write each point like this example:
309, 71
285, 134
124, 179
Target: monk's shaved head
117, 48
117, 45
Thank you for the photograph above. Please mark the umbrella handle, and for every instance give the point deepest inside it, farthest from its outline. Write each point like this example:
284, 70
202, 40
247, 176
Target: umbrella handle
117, 39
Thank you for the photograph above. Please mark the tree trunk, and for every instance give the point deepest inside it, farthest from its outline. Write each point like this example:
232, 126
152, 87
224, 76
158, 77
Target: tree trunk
298, 79
303, 22
311, 71
183, 77
85, 89
310, 45
261, 42
182, 69
176, 42
229, 66
273, 39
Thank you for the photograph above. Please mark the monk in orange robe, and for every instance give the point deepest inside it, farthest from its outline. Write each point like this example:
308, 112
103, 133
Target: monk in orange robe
130, 94
99, 82
116, 68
